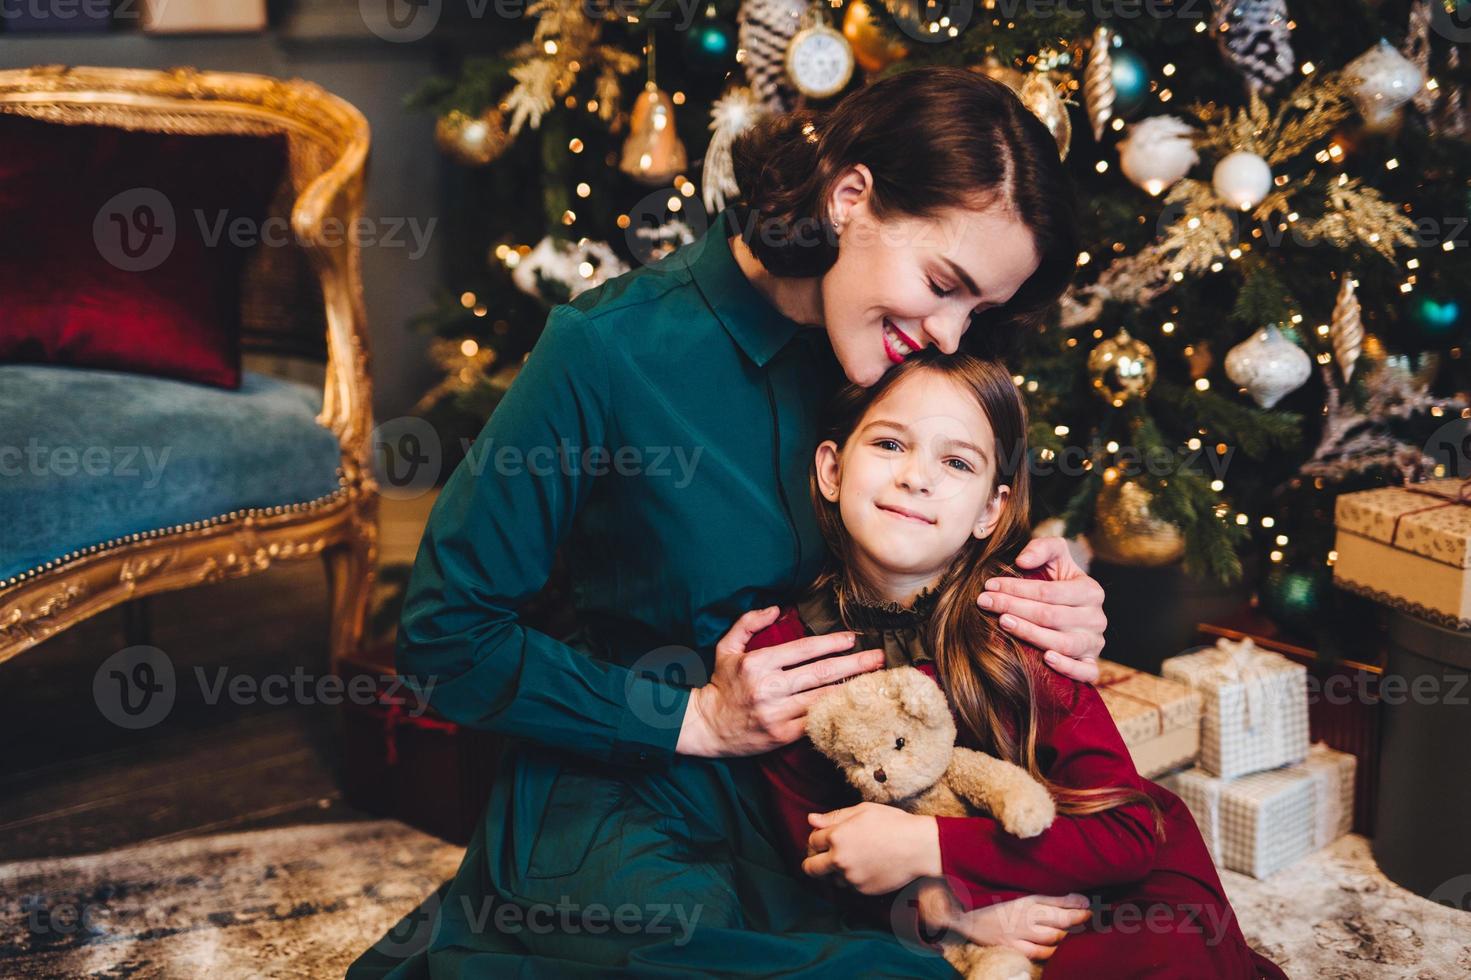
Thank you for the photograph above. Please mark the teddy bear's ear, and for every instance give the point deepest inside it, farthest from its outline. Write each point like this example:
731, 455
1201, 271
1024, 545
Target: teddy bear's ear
922, 698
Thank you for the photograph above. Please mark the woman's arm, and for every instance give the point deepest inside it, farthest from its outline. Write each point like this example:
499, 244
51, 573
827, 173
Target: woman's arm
1077, 853
488, 547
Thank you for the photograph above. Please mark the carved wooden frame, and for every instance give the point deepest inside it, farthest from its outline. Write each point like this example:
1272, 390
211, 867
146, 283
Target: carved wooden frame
342, 527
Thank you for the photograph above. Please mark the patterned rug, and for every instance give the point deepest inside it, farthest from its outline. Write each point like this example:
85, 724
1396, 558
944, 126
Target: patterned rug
303, 901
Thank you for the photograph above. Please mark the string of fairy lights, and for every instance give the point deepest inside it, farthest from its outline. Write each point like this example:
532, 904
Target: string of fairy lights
1062, 60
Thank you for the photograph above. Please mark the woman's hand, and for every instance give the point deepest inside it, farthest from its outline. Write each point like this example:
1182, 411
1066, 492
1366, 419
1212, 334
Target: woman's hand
1033, 924
753, 702
1062, 615
872, 847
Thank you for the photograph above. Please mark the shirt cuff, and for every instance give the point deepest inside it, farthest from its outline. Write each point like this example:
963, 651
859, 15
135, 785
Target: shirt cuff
649, 729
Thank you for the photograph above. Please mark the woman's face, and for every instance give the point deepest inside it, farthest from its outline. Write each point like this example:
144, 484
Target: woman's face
916, 479
906, 283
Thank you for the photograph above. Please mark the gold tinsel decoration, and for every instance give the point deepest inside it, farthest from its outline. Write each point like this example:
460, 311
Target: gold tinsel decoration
1127, 532
1098, 91
464, 363
565, 42
1347, 211
1348, 328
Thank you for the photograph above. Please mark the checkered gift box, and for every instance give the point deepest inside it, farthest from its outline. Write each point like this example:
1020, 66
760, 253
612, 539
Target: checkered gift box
1255, 706
1158, 719
1257, 824
1332, 773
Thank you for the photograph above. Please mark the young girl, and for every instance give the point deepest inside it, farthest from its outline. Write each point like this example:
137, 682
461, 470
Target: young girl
921, 491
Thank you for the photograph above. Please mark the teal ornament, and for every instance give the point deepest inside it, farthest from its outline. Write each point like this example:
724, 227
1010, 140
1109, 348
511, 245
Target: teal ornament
1294, 598
710, 46
1130, 82
1437, 318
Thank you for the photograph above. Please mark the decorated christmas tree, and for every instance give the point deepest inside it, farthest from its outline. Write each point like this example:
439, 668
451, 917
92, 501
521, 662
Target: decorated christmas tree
1269, 309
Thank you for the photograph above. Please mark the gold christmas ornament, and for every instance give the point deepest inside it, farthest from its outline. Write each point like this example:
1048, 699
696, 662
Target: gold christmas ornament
1039, 94
1005, 74
1127, 532
1098, 93
472, 140
873, 50
1121, 368
1348, 328
653, 152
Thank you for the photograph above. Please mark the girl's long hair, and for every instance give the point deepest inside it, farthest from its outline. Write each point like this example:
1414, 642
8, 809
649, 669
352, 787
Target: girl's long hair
987, 675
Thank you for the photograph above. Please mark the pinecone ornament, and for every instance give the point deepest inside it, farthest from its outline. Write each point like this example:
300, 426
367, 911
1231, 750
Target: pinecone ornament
765, 29
1254, 37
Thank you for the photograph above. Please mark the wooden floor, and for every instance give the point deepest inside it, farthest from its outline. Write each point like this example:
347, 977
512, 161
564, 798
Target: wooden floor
71, 782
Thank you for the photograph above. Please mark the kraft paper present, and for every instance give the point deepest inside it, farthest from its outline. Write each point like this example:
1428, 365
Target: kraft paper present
1255, 706
1408, 547
1159, 719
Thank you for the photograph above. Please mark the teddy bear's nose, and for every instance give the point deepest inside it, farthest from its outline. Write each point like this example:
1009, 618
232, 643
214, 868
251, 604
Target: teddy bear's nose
878, 774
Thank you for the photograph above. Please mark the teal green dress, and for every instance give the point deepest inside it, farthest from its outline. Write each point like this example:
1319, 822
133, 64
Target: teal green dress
661, 431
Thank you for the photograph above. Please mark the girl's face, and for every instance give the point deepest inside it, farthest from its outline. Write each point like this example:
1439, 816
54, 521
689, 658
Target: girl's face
906, 283
916, 479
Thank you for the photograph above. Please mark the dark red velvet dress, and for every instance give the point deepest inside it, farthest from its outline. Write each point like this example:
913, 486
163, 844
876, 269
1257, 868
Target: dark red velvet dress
1159, 907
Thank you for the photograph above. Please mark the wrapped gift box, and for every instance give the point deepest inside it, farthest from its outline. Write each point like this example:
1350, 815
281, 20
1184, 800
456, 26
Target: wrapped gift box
1257, 824
1255, 706
1159, 719
400, 760
1408, 547
1332, 775
203, 16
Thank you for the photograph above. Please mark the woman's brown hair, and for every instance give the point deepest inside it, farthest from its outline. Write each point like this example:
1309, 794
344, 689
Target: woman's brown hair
984, 671
934, 138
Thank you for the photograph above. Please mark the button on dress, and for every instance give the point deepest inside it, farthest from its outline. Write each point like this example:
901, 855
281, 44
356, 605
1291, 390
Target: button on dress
661, 431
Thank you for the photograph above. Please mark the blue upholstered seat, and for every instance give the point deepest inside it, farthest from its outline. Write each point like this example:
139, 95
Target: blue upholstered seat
87, 455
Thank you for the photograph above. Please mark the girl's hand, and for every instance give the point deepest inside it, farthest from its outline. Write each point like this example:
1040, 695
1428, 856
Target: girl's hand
753, 703
873, 847
1033, 924
1062, 615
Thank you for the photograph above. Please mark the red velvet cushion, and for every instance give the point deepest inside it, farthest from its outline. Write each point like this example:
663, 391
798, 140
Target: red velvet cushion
116, 248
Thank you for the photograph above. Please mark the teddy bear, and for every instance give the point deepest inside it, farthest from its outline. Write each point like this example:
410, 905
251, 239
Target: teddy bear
892, 735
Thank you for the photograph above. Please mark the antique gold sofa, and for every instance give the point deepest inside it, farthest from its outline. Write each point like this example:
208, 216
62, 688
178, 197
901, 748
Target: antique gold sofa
300, 303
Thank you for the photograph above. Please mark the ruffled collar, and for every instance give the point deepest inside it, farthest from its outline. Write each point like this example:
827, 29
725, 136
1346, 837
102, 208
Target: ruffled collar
898, 630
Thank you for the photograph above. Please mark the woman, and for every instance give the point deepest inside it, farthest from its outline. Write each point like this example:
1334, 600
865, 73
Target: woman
628, 831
